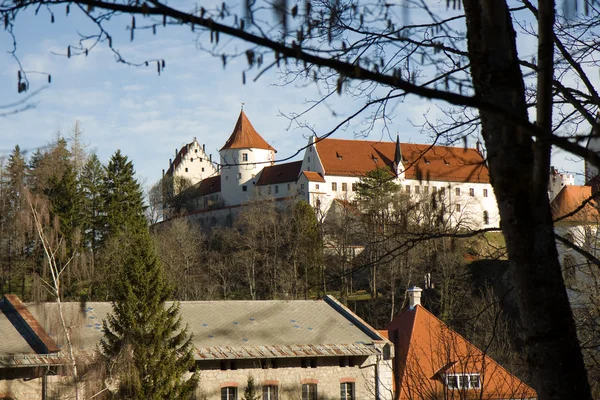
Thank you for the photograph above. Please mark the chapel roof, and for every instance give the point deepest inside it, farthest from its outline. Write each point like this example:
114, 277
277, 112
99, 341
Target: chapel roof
427, 349
244, 136
572, 198
280, 173
422, 162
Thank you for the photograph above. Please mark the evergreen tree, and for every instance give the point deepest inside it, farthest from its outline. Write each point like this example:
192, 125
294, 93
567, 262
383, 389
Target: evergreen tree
122, 197
251, 391
143, 340
67, 202
90, 182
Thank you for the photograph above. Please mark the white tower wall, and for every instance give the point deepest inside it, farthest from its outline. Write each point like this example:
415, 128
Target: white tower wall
235, 177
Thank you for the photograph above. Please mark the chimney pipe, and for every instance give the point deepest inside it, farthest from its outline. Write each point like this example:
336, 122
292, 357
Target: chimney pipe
414, 297
163, 173
203, 147
210, 157
175, 152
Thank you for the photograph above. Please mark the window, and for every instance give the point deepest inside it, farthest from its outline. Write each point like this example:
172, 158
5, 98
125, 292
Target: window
309, 391
195, 150
458, 191
191, 159
200, 159
229, 393
302, 186
269, 392
226, 177
472, 192
334, 186
426, 189
317, 186
202, 169
186, 170
308, 159
244, 156
344, 187
347, 391
276, 188
354, 187
442, 191
407, 188
239, 175
289, 186
457, 208
433, 189
486, 218
485, 193
463, 381
417, 189
244, 188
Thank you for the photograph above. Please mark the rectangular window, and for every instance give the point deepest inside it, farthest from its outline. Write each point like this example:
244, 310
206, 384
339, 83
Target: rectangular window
452, 381
458, 191
276, 188
407, 188
433, 189
334, 186
426, 189
317, 186
457, 208
485, 193
244, 188
244, 156
191, 159
308, 159
289, 186
186, 170
239, 175
309, 391
302, 186
344, 187
202, 169
463, 381
354, 187
472, 192
417, 189
347, 391
474, 381
229, 393
442, 191
269, 392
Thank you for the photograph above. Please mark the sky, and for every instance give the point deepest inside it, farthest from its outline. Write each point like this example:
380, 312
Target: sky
148, 116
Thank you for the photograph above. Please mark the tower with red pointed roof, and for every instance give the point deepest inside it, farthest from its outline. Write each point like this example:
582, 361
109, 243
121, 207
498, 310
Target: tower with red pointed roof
243, 156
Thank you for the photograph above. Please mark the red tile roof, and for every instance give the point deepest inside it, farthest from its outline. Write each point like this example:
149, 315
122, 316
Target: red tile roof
280, 173
569, 199
244, 136
425, 162
426, 349
210, 185
313, 176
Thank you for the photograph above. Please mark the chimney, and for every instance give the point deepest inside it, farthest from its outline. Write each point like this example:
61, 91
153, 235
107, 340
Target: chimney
170, 162
163, 173
210, 157
175, 153
414, 297
204, 148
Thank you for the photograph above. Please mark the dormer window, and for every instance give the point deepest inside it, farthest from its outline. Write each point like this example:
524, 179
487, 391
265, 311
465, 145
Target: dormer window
426, 160
463, 381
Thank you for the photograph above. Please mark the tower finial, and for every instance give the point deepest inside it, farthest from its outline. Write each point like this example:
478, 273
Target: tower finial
243, 104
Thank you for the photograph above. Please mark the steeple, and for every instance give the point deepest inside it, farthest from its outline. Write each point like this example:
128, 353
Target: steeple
244, 136
398, 166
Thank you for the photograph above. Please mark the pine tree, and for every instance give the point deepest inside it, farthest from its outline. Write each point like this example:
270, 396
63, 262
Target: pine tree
122, 197
90, 182
143, 340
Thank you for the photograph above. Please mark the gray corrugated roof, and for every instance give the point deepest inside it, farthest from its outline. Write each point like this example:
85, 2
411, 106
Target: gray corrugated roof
236, 327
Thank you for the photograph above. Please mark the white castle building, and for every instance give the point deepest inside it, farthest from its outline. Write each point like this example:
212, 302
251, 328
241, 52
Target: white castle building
329, 170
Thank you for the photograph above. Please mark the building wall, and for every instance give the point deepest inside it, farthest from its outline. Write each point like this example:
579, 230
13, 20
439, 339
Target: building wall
557, 182
242, 173
289, 377
195, 165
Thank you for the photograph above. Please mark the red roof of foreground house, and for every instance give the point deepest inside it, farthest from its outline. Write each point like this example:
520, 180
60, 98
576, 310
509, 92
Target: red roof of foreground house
280, 173
423, 162
244, 136
427, 351
572, 198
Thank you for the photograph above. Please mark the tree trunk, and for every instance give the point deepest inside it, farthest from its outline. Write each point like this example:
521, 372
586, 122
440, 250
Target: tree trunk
516, 164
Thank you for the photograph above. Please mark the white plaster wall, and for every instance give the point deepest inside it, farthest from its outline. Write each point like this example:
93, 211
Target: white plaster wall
557, 182
196, 164
311, 160
234, 177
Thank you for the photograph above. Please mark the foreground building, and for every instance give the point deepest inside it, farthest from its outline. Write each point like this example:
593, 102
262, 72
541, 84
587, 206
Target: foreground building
292, 349
433, 362
330, 169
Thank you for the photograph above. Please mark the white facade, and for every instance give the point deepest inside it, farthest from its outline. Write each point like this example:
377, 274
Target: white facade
239, 170
558, 181
191, 162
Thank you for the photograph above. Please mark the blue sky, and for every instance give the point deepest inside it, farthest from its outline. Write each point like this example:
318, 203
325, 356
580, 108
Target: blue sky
148, 116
